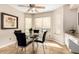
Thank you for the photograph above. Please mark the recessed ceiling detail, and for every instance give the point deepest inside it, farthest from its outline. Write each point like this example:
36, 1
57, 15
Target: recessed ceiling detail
35, 8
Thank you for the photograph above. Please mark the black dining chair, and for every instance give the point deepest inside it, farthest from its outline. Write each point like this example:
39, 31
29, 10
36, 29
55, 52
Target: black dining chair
21, 40
36, 31
17, 31
41, 41
30, 31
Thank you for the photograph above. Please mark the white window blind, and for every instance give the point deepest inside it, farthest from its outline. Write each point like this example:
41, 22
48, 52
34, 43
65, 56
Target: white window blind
46, 22
38, 22
28, 25
43, 22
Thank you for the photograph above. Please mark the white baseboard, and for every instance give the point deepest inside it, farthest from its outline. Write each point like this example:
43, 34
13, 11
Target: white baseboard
10, 43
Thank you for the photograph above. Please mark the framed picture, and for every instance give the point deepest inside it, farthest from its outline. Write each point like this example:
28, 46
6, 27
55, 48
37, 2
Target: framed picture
9, 21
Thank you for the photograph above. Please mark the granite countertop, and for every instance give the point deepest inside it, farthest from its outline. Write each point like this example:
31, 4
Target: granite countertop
76, 35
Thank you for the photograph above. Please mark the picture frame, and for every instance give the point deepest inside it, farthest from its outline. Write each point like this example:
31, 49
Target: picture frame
9, 21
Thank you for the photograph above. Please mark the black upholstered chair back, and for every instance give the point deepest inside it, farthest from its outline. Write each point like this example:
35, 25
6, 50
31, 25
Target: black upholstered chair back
17, 31
30, 30
36, 31
21, 38
44, 35
43, 38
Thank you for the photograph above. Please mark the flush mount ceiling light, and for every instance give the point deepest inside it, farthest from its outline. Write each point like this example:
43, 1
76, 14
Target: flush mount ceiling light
33, 7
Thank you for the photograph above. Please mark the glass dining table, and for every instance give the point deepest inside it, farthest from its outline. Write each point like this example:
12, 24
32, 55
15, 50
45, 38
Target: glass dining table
31, 39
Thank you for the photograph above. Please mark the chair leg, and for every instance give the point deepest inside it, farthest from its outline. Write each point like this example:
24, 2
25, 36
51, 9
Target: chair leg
17, 49
21, 50
43, 48
37, 48
33, 48
25, 49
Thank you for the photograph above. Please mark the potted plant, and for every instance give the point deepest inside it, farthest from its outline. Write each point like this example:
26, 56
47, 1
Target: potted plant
72, 31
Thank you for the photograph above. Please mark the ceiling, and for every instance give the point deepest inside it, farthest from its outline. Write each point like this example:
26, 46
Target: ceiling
48, 7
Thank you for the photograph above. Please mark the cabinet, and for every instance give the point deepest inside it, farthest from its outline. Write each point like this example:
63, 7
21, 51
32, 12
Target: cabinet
72, 42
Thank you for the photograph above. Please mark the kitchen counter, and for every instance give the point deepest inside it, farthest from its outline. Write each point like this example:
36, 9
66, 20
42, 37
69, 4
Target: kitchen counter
72, 42
73, 37
76, 35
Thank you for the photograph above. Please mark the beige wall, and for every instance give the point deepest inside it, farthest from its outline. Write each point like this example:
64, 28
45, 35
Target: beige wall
70, 18
78, 20
7, 34
57, 25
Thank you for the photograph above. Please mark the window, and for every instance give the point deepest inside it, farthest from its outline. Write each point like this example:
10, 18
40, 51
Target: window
43, 22
28, 25
46, 22
38, 22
